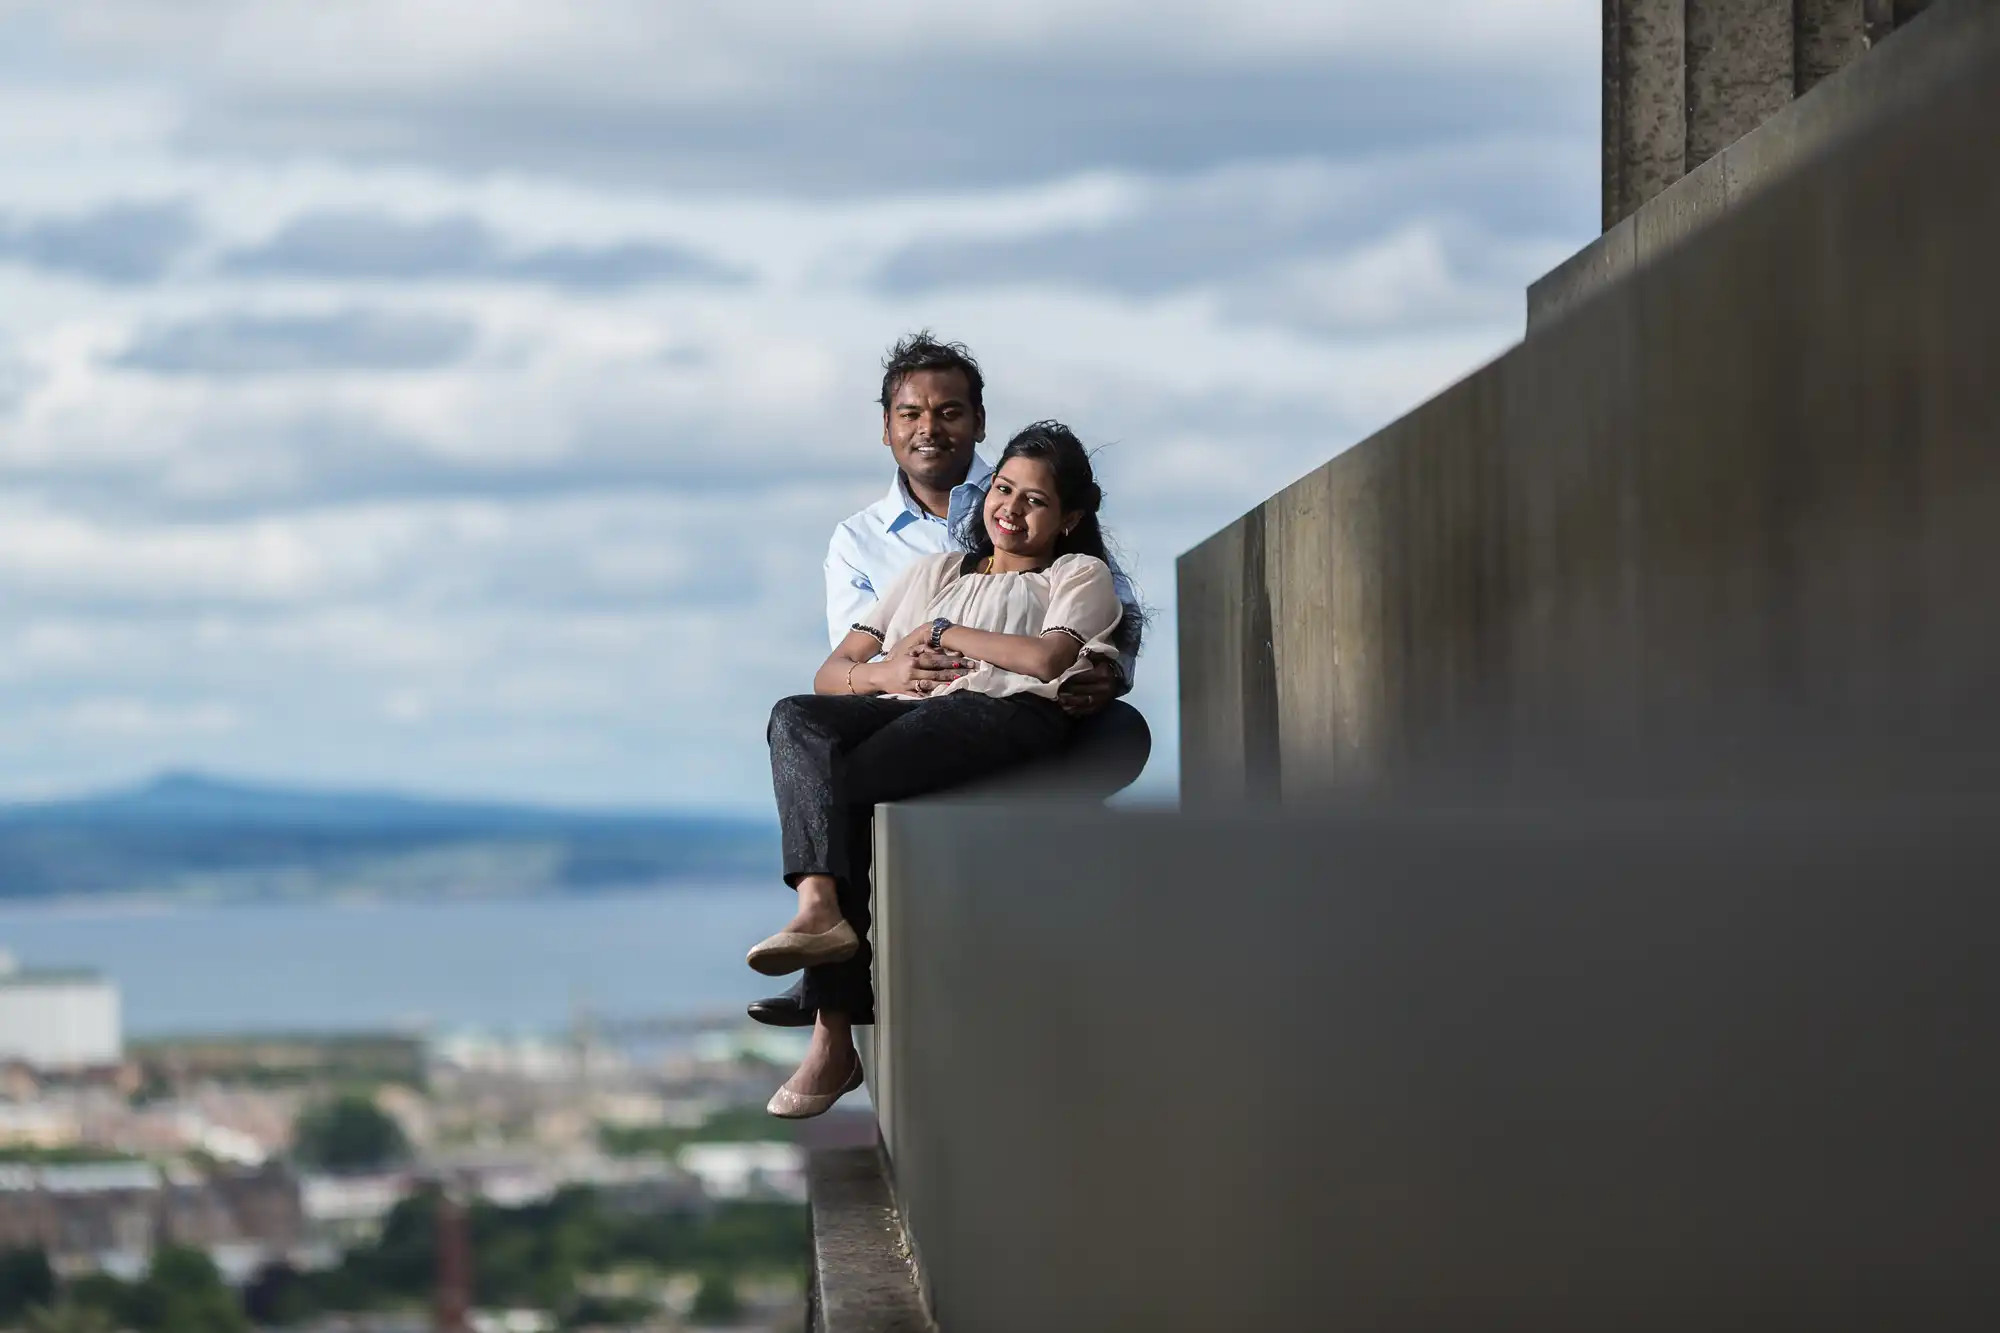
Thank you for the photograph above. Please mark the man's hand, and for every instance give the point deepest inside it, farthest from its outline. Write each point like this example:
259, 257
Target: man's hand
916, 669
1089, 690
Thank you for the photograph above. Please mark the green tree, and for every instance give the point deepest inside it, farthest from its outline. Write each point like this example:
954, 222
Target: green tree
716, 1301
348, 1135
279, 1294
183, 1293
403, 1259
103, 1295
68, 1317
25, 1280
535, 1255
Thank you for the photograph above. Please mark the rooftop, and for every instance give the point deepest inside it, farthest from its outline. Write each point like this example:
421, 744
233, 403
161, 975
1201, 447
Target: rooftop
51, 976
13, 974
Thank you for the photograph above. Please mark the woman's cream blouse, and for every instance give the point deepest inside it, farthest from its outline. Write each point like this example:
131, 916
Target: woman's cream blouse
1074, 595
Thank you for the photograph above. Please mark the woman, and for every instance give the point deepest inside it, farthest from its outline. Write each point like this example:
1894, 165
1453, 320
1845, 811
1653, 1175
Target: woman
1021, 610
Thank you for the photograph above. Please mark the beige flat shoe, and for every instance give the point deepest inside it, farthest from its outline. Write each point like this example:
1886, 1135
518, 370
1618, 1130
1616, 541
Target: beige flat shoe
788, 1105
790, 950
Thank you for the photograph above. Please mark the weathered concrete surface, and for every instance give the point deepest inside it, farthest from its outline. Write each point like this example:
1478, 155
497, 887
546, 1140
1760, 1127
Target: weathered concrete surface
1585, 273
878, 1057
1677, 213
1645, 104
1552, 1070
1611, 99
861, 1280
885, 1049
1740, 70
1744, 499
1949, 40
1827, 36
1215, 592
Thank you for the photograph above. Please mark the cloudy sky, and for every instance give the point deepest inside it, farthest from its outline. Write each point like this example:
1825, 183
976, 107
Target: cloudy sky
457, 397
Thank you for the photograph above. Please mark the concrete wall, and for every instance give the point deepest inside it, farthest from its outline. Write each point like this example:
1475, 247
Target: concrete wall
1390, 1069
1667, 175
1742, 504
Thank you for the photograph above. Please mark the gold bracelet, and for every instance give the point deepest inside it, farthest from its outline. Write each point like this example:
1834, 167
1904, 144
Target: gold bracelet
850, 676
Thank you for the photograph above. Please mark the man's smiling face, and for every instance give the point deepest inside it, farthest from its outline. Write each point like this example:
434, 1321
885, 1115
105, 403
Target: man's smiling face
931, 427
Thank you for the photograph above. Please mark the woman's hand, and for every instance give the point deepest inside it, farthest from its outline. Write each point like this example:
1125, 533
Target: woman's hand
920, 637
909, 668
912, 668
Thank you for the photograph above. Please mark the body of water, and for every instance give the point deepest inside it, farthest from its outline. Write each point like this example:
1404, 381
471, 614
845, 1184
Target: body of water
505, 966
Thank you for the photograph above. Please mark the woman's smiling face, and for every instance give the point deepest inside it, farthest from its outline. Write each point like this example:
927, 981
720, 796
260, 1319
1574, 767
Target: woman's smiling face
1024, 517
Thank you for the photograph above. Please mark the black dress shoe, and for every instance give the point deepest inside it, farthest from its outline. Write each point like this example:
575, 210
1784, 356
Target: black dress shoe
790, 1010
783, 1011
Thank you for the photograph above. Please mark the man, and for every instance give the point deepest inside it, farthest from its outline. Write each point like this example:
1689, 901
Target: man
933, 419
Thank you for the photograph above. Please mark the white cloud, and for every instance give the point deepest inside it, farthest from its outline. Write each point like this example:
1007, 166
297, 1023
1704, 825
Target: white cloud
63, 121
461, 398
637, 49
129, 718
357, 339
46, 553
837, 99
1411, 278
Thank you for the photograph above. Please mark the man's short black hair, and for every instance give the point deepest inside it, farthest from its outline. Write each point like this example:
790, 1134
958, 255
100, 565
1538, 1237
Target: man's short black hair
920, 351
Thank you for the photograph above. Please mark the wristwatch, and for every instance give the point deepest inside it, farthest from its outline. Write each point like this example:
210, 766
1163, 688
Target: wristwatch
938, 627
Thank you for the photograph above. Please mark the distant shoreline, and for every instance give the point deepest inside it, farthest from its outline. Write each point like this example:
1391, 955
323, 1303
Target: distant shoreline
520, 965
185, 838
155, 903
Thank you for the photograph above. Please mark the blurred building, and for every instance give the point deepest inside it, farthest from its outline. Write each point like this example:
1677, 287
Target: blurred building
110, 1216
37, 1124
747, 1170
243, 1219
58, 1020
348, 1210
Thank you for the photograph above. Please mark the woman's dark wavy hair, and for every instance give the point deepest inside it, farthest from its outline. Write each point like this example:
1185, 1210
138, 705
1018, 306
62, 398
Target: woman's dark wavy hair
1077, 491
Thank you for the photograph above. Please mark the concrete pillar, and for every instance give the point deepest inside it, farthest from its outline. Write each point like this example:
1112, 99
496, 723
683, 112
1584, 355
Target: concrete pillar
1826, 35
1739, 70
1684, 79
1645, 101
1878, 19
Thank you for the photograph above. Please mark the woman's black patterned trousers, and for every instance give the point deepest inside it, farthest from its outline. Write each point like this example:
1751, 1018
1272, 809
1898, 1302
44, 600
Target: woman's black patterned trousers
834, 757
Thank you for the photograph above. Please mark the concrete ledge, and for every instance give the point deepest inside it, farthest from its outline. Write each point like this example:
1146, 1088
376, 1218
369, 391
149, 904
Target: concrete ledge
1590, 270
1554, 1070
861, 1283
1930, 49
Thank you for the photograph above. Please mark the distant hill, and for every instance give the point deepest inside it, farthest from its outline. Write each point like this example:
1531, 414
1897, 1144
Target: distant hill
189, 834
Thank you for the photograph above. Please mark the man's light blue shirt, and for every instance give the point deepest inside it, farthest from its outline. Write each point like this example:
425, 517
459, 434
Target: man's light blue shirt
872, 547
